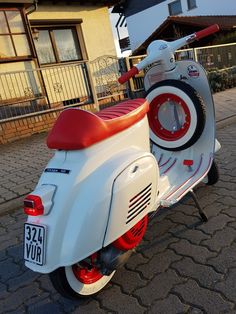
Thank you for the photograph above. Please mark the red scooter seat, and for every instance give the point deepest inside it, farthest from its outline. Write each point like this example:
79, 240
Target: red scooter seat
78, 129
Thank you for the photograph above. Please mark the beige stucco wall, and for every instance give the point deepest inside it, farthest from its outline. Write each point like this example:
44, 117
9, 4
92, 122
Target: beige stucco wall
96, 25
98, 39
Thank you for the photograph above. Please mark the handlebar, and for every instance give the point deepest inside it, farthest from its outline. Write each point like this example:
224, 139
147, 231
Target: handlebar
207, 31
127, 75
172, 46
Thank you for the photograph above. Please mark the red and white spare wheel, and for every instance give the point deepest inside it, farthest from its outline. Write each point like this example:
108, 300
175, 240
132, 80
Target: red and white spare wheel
176, 116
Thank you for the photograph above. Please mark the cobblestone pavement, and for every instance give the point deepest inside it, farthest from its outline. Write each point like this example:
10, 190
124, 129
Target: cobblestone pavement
182, 266
20, 165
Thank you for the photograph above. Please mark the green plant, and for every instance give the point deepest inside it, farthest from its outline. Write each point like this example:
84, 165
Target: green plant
221, 79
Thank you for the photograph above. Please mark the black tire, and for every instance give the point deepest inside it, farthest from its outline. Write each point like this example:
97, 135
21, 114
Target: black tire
197, 106
61, 282
213, 174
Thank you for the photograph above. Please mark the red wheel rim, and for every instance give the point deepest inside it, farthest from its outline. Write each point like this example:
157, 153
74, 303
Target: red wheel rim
157, 127
86, 273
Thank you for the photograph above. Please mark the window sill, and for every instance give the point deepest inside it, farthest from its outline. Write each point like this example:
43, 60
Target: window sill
47, 65
190, 9
19, 59
176, 13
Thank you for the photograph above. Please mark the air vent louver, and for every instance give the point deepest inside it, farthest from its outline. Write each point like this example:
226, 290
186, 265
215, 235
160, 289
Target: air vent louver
139, 203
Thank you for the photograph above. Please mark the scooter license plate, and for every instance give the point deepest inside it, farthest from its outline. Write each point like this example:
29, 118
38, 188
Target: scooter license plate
34, 243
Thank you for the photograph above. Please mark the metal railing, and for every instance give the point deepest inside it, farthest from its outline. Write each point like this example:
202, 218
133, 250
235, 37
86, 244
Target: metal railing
217, 56
105, 71
210, 57
49, 88
21, 93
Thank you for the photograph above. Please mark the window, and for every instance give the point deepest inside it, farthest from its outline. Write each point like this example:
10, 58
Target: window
191, 4
55, 45
13, 38
175, 7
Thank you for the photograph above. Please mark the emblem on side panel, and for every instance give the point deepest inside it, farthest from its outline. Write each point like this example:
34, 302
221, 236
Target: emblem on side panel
57, 170
193, 71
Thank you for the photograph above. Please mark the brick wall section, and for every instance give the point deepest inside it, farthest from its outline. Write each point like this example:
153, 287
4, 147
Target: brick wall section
24, 127
17, 129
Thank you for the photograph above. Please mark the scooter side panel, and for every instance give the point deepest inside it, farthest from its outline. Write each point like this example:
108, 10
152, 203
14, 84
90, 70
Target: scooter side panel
133, 196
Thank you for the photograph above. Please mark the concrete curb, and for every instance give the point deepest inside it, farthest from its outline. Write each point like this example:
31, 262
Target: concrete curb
17, 203
11, 205
225, 122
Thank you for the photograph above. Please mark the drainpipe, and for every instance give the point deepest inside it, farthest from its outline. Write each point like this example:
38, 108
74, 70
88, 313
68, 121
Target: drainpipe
33, 9
34, 5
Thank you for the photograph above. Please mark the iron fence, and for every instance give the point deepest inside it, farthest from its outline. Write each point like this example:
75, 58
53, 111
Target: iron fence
211, 57
219, 57
21, 93
105, 72
49, 88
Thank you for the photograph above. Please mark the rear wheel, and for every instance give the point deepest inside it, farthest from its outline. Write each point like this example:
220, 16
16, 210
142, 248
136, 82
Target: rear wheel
85, 278
213, 174
79, 280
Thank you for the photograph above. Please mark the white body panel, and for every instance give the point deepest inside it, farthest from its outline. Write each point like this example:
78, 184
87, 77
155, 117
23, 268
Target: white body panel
77, 223
138, 182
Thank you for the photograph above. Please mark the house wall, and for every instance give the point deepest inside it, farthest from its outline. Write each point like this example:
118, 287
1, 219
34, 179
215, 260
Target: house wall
141, 25
97, 35
98, 39
96, 25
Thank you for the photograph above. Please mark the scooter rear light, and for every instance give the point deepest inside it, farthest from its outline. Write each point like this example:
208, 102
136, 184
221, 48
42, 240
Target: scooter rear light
33, 205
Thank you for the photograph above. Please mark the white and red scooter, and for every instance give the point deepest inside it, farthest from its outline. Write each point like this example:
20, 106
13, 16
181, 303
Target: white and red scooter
90, 207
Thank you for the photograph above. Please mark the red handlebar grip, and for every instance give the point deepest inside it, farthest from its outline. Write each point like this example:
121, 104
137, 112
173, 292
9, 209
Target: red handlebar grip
207, 31
126, 76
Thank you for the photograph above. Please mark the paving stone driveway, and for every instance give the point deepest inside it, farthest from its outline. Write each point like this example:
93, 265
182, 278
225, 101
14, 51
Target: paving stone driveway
182, 266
